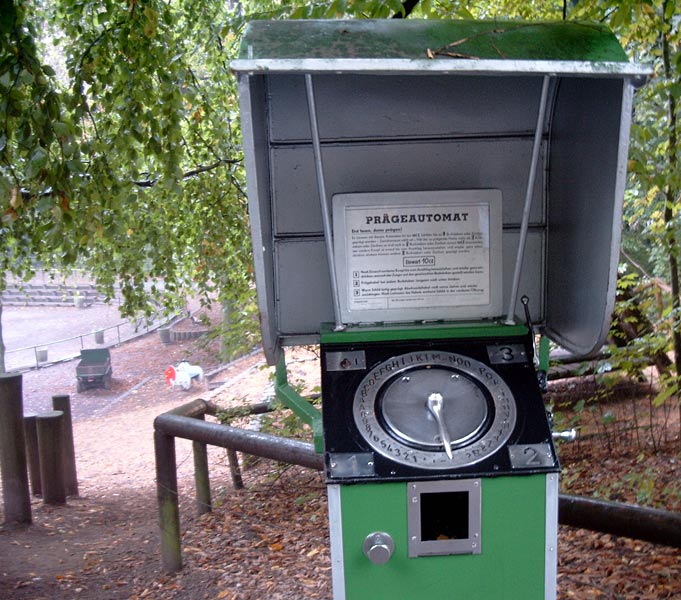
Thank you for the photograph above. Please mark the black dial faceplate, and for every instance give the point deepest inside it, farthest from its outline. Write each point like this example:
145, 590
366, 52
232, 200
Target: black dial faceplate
479, 437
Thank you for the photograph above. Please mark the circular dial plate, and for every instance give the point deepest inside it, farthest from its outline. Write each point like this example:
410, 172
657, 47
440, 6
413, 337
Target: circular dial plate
403, 400
390, 409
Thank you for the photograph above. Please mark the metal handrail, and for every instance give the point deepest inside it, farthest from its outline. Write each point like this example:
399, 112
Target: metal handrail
68, 339
187, 422
119, 339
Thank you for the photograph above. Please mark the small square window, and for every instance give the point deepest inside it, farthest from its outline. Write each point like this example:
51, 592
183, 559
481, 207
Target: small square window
444, 517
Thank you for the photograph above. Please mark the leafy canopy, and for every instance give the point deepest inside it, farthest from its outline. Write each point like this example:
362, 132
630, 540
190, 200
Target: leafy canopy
119, 135
127, 164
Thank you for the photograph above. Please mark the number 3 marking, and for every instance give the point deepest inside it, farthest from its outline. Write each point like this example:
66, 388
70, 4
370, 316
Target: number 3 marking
506, 354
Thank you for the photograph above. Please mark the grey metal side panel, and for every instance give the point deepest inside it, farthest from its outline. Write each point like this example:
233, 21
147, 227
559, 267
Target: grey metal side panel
394, 106
391, 167
252, 108
586, 181
531, 276
305, 300
303, 286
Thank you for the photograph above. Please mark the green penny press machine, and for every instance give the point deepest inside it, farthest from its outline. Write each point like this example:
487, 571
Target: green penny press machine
428, 199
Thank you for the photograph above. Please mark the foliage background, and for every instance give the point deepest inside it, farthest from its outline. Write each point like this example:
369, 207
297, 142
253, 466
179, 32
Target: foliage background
120, 143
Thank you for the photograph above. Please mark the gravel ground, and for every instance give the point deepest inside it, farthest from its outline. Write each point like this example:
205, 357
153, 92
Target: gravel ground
61, 332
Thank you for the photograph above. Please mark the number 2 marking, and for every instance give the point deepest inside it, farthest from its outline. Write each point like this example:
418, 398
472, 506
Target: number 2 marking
532, 457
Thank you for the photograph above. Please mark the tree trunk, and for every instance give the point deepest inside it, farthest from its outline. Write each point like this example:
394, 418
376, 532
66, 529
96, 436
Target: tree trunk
408, 6
226, 350
633, 323
2, 344
671, 194
13, 466
636, 522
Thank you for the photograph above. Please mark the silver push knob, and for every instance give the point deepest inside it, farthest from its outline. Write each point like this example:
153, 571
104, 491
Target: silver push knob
378, 547
569, 436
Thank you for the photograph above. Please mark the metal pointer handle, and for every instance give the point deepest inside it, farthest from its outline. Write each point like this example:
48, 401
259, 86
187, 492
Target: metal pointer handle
435, 407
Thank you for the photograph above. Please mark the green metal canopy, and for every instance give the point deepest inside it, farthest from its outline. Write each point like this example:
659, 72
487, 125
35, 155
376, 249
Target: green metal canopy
418, 38
368, 45
337, 111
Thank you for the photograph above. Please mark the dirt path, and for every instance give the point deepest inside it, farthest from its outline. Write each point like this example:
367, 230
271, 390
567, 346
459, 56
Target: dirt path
104, 543
268, 541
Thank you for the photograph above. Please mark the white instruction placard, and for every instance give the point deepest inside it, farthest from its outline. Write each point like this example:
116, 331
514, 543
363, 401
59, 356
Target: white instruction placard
418, 255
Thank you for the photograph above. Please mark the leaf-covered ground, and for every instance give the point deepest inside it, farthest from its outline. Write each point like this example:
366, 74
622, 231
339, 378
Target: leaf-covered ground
269, 540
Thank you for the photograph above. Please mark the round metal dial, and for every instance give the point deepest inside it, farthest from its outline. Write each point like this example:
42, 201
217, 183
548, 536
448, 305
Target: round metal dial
434, 410
464, 413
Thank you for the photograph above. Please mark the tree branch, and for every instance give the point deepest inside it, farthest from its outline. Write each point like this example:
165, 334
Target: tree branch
192, 173
96, 41
408, 6
659, 282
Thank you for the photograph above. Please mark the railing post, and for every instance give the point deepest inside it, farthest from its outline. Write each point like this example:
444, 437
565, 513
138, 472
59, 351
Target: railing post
63, 403
31, 435
235, 469
168, 509
15, 493
201, 476
51, 449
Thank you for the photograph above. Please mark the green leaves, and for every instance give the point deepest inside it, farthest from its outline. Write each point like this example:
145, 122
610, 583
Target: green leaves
130, 159
140, 178
36, 162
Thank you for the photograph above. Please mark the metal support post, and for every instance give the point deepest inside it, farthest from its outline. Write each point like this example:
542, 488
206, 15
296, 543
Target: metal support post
321, 184
536, 147
299, 405
201, 476
235, 469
